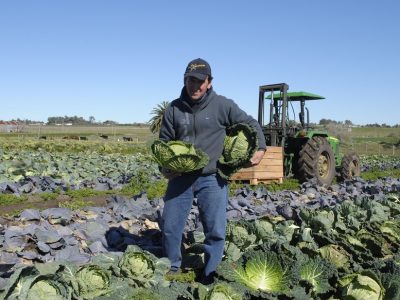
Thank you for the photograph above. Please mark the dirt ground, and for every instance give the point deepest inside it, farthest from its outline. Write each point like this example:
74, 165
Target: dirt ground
36, 202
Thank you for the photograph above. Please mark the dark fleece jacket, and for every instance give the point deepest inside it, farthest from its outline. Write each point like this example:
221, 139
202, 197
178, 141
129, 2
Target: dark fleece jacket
204, 122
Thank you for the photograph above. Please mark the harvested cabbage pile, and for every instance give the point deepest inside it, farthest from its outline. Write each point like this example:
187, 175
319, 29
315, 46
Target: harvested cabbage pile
178, 156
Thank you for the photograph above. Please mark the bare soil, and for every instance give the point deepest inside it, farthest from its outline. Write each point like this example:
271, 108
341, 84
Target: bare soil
36, 202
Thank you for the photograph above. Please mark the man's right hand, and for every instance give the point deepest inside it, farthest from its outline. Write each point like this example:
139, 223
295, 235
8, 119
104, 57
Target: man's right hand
169, 174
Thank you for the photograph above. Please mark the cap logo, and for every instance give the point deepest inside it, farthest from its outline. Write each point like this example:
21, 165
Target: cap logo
193, 67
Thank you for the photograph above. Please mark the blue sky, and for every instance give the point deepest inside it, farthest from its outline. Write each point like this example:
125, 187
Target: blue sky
116, 60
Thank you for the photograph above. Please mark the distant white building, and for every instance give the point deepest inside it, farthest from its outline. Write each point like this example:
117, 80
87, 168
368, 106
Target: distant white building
9, 127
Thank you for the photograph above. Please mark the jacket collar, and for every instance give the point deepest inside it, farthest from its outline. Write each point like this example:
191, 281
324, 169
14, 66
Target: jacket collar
203, 102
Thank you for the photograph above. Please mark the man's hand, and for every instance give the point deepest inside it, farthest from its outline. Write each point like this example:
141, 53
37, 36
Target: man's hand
167, 173
257, 157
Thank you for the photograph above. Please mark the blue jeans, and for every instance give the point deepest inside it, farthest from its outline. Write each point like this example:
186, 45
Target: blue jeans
212, 196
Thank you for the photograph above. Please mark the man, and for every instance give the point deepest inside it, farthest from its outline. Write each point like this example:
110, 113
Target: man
200, 116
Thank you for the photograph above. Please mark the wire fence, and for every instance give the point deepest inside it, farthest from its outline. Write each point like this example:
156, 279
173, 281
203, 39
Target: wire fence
371, 148
367, 140
112, 133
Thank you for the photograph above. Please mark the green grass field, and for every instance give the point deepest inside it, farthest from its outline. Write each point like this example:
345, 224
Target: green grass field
368, 140
363, 140
140, 134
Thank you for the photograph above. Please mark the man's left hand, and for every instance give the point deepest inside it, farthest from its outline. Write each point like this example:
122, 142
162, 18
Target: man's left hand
257, 157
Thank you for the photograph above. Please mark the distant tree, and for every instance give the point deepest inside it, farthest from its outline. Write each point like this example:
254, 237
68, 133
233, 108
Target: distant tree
110, 122
372, 125
348, 122
92, 119
67, 119
25, 121
158, 113
327, 121
139, 124
323, 122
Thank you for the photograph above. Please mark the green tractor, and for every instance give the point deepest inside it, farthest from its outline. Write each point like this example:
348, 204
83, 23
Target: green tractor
308, 153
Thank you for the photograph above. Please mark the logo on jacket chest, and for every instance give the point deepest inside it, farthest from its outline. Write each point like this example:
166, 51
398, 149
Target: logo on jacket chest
185, 120
196, 121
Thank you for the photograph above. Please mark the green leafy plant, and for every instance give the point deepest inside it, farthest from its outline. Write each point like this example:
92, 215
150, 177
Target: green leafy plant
29, 282
139, 183
9, 199
91, 281
144, 294
362, 286
376, 174
258, 271
287, 184
181, 276
219, 291
336, 255
154, 188
49, 196
239, 146
317, 273
178, 156
156, 120
157, 189
50, 286
142, 268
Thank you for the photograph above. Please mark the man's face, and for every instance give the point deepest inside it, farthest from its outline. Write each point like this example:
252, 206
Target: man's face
196, 88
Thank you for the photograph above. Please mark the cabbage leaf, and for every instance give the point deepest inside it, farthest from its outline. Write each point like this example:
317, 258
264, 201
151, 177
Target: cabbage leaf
178, 156
239, 146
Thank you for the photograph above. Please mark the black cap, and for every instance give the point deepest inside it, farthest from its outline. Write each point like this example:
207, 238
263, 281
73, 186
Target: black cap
198, 68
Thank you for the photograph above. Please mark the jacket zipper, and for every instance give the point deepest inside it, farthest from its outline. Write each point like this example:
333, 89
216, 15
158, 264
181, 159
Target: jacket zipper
194, 128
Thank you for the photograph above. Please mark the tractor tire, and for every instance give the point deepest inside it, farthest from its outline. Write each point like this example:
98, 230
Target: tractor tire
350, 166
316, 160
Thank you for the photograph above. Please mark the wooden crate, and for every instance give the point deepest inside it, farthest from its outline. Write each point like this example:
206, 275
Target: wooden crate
270, 169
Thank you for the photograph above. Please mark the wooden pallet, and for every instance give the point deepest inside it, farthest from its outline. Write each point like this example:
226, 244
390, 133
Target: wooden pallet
269, 170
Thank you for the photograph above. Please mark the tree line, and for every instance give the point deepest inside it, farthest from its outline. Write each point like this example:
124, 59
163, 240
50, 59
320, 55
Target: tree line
156, 121
71, 120
350, 123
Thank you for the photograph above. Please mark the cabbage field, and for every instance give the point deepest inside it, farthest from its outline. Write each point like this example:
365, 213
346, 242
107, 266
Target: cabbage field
312, 242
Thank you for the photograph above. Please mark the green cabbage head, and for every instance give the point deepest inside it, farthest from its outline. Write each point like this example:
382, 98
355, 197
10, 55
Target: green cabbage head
45, 287
220, 291
178, 156
317, 273
142, 268
258, 271
335, 255
91, 281
28, 282
239, 146
363, 286
235, 147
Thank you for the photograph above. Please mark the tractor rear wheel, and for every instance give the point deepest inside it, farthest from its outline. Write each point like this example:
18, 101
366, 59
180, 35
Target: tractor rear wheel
316, 160
350, 166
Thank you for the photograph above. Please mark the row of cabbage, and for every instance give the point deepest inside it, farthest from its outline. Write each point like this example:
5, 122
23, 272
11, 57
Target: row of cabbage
379, 162
349, 251
70, 146
30, 171
336, 243
72, 170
